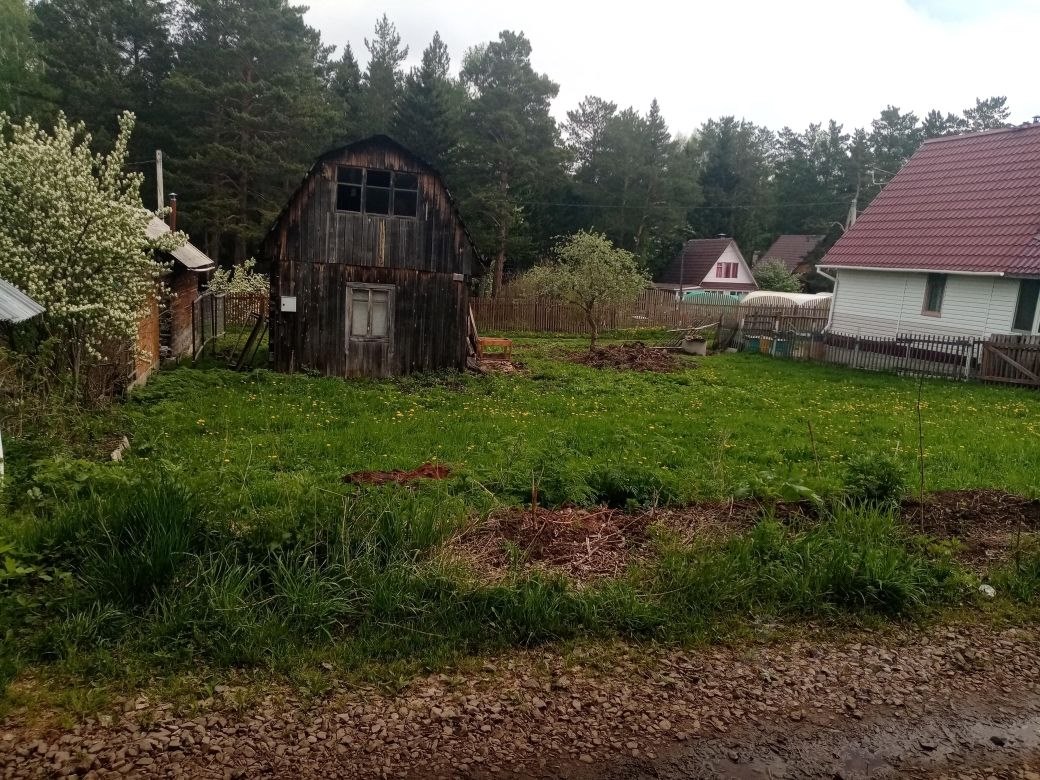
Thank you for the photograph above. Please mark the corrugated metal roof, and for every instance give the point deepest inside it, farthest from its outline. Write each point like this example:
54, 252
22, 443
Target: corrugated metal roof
16, 306
187, 255
967, 204
792, 249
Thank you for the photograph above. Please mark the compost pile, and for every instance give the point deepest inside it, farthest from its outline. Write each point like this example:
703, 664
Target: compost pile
634, 356
397, 476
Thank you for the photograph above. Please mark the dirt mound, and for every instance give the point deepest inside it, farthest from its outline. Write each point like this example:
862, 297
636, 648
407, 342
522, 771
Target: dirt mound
986, 522
588, 544
397, 476
961, 512
635, 356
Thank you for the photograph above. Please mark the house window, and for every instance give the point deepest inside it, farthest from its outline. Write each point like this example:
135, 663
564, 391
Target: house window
377, 192
727, 270
934, 289
370, 311
1025, 309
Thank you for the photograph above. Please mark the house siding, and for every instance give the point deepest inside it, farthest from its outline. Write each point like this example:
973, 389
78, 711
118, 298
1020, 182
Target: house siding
884, 303
730, 255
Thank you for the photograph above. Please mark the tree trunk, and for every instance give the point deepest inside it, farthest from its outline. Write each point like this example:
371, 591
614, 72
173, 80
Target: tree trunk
594, 330
500, 260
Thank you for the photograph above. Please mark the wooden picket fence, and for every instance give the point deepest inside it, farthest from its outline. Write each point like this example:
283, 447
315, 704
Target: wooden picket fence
1005, 359
240, 308
654, 309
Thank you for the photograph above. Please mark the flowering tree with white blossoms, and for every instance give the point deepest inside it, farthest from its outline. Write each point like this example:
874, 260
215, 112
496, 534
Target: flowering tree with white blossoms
72, 236
240, 280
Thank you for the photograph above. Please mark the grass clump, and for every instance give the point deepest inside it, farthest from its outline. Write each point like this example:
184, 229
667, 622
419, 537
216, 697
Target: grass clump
875, 479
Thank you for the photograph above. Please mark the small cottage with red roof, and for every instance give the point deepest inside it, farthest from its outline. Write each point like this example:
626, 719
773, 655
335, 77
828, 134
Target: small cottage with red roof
708, 264
793, 251
951, 246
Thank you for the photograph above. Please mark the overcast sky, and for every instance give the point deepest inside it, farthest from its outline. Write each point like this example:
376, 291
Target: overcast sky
776, 62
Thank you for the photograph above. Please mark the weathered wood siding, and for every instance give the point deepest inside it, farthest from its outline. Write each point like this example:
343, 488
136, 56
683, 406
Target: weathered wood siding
316, 252
429, 322
312, 230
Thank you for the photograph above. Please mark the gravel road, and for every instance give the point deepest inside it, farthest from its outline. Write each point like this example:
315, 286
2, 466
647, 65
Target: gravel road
940, 702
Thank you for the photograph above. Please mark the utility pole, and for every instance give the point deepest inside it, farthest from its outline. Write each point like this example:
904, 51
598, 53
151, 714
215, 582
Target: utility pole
160, 196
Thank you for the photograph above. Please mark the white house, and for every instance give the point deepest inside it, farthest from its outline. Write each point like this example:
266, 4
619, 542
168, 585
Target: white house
708, 264
951, 246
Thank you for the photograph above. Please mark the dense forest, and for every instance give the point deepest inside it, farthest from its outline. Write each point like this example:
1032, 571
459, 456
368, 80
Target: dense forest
242, 96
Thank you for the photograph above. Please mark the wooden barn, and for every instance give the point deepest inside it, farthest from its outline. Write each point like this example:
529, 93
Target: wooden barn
372, 268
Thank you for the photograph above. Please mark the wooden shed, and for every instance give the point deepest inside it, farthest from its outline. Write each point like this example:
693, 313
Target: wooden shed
372, 268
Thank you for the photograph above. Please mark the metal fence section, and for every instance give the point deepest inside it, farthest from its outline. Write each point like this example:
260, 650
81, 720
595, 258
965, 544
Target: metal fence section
207, 321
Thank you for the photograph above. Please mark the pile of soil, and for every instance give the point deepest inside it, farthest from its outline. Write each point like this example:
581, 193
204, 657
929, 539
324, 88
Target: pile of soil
634, 356
397, 476
988, 523
589, 544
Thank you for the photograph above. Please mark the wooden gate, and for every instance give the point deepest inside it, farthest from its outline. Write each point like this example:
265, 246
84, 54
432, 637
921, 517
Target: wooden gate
1011, 359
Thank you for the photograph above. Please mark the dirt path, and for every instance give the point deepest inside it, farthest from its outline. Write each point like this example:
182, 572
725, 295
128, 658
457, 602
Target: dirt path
949, 702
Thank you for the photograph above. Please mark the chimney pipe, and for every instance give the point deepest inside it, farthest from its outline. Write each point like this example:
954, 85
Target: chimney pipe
173, 211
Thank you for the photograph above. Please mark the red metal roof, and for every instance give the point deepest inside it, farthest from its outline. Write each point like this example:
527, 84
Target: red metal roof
738, 286
697, 258
792, 249
968, 203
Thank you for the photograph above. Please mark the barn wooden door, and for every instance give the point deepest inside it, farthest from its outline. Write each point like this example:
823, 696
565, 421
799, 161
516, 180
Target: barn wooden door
370, 329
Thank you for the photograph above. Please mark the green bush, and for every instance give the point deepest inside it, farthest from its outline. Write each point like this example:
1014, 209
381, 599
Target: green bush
875, 479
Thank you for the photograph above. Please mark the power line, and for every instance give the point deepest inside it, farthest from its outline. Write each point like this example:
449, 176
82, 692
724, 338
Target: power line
691, 208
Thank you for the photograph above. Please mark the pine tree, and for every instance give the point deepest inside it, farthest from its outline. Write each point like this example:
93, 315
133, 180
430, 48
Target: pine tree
345, 95
102, 57
383, 79
989, 114
509, 143
250, 91
22, 91
429, 112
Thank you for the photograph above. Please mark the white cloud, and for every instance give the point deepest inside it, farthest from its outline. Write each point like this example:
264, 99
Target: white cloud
777, 63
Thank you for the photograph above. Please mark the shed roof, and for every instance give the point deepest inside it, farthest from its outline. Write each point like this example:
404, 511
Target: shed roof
16, 306
697, 257
961, 204
188, 254
792, 249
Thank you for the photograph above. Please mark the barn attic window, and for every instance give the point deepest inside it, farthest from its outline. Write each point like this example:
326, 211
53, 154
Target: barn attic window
377, 192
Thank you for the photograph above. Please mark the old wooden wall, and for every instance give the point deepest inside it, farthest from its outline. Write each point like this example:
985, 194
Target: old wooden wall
429, 321
316, 252
312, 230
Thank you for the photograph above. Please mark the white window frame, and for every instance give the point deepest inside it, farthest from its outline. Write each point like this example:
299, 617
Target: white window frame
1035, 325
354, 287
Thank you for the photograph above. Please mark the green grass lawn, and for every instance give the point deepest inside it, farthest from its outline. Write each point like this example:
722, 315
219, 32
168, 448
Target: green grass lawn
700, 433
227, 537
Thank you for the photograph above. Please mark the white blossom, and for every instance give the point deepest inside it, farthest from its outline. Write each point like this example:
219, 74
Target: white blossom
72, 235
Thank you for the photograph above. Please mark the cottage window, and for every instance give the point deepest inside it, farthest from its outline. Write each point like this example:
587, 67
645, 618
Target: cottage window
934, 290
1025, 309
370, 311
377, 192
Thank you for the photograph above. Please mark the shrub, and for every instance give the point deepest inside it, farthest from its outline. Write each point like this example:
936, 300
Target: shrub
875, 479
620, 486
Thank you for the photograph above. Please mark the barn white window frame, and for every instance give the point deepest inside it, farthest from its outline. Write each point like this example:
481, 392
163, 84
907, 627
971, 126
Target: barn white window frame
390, 291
